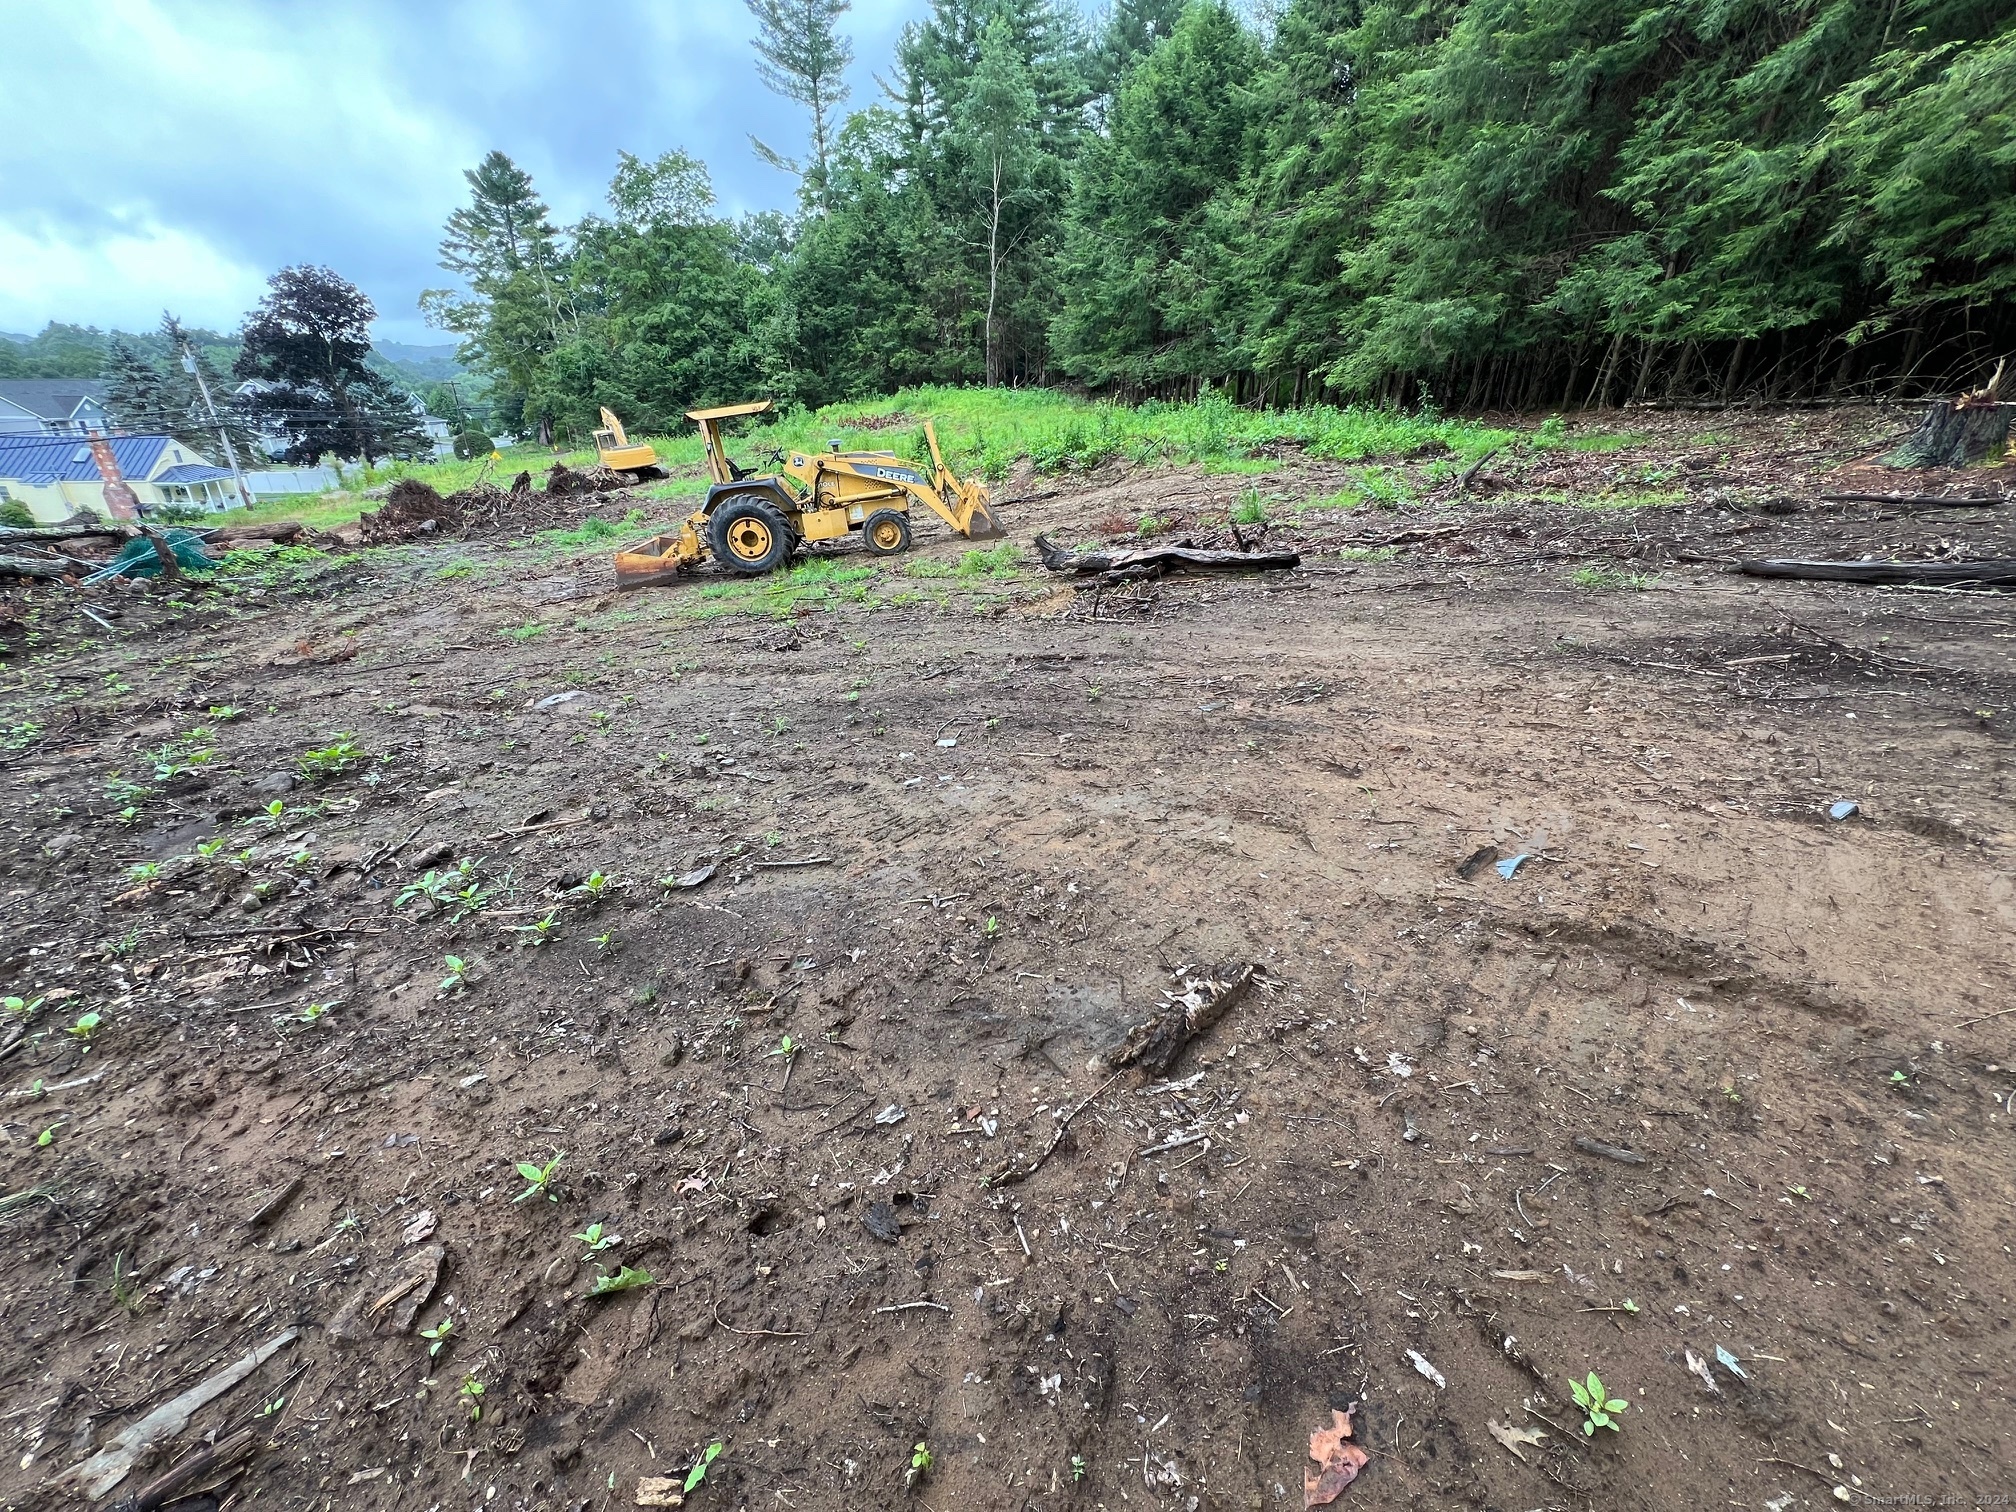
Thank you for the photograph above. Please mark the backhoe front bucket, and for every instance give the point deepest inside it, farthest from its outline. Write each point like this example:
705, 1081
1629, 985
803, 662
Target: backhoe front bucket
661, 559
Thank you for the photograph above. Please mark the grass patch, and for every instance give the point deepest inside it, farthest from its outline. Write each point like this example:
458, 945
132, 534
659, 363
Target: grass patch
1250, 510
590, 532
814, 582
454, 570
1609, 580
524, 632
996, 562
1368, 553
988, 430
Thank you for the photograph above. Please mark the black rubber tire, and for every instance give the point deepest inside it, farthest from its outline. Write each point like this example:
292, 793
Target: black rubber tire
722, 534
879, 524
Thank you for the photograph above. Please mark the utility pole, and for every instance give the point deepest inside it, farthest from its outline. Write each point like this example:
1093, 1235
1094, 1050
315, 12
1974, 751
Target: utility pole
194, 369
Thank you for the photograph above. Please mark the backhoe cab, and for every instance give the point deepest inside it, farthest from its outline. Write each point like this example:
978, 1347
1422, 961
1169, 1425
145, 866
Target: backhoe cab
753, 521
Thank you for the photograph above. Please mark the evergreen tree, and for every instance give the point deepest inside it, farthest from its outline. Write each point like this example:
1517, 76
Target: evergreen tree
305, 349
517, 306
801, 55
157, 395
1132, 30
1141, 278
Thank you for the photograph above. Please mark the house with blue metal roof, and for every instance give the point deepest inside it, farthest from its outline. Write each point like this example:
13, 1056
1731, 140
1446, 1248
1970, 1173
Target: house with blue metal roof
56, 478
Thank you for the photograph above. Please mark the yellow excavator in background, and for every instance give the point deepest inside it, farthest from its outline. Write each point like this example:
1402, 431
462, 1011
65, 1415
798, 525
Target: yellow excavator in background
616, 451
752, 521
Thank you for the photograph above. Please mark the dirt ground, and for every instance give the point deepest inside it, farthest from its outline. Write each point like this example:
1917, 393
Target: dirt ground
1711, 1096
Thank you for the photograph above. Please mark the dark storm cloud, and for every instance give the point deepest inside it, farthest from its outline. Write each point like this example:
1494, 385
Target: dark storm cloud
172, 153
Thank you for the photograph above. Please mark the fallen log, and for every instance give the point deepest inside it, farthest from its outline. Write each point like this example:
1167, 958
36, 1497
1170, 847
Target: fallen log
1999, 572
1207, 992
1159, 559
116, 530
34, 567
1918, 501
278, 531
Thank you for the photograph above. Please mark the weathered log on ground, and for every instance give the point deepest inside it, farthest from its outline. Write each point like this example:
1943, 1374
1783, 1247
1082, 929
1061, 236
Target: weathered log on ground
1918, 501
1163, 559
278, 532
34, 567
1999, 572
117, 531
1207, 993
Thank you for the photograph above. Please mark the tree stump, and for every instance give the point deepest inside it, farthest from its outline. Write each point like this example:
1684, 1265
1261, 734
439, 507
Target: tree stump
1957, 432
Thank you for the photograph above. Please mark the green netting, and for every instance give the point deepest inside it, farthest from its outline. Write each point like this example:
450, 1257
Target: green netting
137, 557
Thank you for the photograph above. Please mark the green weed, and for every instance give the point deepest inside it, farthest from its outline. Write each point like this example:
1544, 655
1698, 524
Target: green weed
539, 1178
330, 761
1598, 1407
1608, 580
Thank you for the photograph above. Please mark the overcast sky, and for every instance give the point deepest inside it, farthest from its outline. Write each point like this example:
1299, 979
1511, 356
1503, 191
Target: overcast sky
169, 154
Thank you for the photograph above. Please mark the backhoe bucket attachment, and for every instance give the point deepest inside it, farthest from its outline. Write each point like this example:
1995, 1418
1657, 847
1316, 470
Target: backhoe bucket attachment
661, 559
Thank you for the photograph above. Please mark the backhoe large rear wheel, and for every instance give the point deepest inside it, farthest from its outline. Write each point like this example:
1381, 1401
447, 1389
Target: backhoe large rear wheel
886, 532
749, 536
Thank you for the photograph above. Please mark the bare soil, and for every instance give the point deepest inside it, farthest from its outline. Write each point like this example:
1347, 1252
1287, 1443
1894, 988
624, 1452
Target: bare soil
961, 842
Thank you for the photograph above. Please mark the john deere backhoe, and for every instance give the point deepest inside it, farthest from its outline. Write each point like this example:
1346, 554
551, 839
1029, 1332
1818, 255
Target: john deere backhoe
753, 520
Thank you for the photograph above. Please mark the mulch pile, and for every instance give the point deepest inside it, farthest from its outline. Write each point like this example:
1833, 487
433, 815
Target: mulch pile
414, 511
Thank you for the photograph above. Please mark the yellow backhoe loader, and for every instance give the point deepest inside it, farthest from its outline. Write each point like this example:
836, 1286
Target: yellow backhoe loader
753, 521
616, 451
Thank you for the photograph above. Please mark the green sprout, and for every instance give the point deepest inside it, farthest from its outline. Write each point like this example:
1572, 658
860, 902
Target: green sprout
626, 1277
606, 940
992, 927
312, 1014
458, 974
144, 871
438, 1336
223, 713
330, 761
698, 1473
542, 931
596, 1240
1899, 1079
86, 1026
786, 1047
20, 1007
920, 1463
592, 887
539, 1177
472, 1394
47, 1137
208, 849
1597, 1404
1078, 1467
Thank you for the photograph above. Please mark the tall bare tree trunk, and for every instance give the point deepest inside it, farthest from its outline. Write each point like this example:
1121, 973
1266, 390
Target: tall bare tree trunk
993, 274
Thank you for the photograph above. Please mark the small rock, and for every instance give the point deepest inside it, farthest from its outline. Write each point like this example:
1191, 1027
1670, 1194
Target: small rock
274, 784
881, 1221
555, 700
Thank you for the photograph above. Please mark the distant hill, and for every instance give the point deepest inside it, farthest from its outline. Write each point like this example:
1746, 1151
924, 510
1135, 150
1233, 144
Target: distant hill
420, 364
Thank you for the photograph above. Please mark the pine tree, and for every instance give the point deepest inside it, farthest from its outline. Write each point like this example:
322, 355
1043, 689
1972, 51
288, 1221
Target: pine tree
518, 305
1133, 29
802, 56
1141, 278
